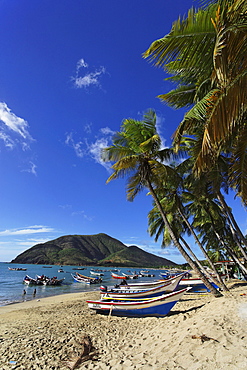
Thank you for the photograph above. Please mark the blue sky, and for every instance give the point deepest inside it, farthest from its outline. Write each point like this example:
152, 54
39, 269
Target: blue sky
70, 72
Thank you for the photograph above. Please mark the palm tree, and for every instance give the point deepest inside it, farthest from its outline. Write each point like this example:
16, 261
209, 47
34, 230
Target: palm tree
178, 216
206, 56
137, 153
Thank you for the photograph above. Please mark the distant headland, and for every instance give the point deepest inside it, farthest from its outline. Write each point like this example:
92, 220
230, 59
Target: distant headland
84, 250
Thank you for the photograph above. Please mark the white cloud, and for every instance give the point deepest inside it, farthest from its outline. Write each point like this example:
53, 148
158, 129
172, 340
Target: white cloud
31, 242
90, 78
88, 128
89, 148
8, 142
11, 124
83, 214
77, 146
107, 131
26, 231
65, 206
95, 150
81, 63
31, 169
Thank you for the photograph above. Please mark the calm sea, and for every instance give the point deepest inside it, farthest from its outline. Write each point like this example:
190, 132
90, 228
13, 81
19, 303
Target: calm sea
12, 286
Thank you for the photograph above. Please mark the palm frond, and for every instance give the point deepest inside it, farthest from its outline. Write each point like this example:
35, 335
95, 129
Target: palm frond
238, 168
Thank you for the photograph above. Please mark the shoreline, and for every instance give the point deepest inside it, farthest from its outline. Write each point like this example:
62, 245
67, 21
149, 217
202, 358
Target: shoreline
45, 333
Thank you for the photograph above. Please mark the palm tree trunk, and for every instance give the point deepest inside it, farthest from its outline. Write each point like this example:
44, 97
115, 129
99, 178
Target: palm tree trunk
233, 223
219, 279
215, 281
193, 265
229, 250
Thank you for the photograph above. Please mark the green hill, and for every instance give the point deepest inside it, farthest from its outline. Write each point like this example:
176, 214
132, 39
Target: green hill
99, 249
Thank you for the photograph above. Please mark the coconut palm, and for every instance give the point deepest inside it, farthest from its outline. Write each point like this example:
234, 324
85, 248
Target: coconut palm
177, 212
206, 56
136, 153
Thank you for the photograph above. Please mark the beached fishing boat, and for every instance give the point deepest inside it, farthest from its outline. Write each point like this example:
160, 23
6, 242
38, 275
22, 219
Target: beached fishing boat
157, 306
146, 284
196, 284
116, 276
166, 287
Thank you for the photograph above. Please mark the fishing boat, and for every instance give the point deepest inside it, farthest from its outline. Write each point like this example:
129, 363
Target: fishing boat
96, 273
147, 285
79, 278
196, 284
167, 287
130, 276
45, 280
116, 276
156, 306
28, 280
17, 268
145, 273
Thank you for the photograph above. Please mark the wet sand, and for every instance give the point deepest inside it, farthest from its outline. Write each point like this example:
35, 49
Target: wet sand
201, 332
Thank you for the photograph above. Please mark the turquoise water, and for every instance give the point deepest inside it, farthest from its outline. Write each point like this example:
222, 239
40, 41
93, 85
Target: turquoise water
11, 282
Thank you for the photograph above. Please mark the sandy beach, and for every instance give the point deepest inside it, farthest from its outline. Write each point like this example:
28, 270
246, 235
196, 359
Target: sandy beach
201, 332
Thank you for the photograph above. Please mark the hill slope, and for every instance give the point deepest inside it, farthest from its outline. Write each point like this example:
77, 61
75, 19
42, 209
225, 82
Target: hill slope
99, 249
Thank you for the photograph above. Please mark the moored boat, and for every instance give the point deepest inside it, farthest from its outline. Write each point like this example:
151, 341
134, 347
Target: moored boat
157, 306
145, 273
31, 281
116, 276
79, 278
45, 280
130, 276
96, 273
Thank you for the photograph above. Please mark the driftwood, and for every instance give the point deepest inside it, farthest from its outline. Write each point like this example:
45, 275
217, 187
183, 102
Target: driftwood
85, 354
203, 338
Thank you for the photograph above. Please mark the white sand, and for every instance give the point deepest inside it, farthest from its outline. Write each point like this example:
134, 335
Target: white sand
43, 334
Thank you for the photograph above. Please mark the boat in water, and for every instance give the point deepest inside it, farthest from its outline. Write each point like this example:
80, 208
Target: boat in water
42, 280
120, 277
79, 278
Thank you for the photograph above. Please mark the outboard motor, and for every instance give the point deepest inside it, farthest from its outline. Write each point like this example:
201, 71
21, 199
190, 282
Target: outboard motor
103, 288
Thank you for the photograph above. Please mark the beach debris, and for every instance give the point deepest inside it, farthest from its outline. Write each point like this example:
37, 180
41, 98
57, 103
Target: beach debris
87, 353
203, 338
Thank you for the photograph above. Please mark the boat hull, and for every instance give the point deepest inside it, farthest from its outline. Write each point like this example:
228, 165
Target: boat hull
151, 284
115, 276
196, 285
158, 306
166, 287
86, 280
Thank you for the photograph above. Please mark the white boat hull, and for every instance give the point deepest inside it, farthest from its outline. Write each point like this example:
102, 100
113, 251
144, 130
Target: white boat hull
157, 306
